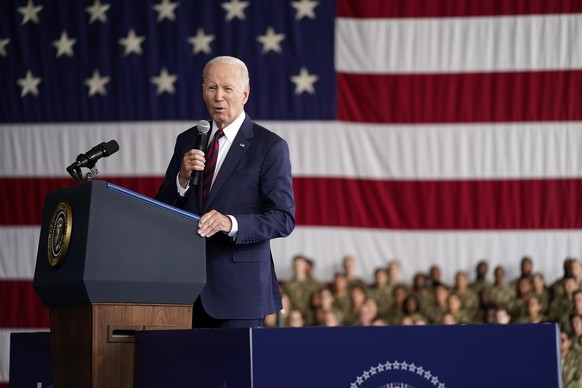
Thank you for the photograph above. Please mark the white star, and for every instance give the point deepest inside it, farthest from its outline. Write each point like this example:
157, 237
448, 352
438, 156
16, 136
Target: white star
64, 45
97, 11
165, 82
132, 43
166, 9
96, 84
29, 84
235, 9
304, 82
305, 8
271, 40
30, 12
201, 42
3, 43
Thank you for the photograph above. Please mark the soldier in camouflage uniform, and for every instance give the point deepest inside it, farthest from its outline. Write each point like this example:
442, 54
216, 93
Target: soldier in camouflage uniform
576, 324
561, 308
481, 281
300, 288
468, 297
381, 292
423, 294
571, 363
439, 307
501, 293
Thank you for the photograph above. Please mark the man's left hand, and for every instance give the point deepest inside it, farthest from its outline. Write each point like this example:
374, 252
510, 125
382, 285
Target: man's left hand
212, 223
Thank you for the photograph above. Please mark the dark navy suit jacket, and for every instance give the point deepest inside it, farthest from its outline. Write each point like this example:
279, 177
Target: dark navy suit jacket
254, 185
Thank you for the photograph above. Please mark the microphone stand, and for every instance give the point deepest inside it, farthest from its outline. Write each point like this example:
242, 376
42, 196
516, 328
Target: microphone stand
75, 170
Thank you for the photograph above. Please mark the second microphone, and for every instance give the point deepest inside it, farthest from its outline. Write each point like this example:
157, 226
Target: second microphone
203, 128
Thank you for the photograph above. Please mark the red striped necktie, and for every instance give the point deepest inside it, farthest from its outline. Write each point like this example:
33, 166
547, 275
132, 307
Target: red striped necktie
210, 166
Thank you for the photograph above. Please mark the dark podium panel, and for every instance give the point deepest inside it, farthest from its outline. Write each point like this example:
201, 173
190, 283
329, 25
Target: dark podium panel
124, 248
436, 356
110, 263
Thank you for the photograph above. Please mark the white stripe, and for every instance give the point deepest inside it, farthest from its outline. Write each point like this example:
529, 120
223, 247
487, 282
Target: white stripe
453, 45
18, 249
417, 251
45, 150
318, 148
5, 351
457, 250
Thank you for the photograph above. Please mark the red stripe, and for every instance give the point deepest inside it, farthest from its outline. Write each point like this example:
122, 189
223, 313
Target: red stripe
448, 8
440, 205
21, 307
457, 98
22, 199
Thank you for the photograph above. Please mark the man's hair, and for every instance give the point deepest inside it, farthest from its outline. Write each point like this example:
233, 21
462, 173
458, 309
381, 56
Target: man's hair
226, 60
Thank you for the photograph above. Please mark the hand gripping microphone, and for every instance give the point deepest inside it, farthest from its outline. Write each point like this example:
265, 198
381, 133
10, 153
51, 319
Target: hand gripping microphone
203, 128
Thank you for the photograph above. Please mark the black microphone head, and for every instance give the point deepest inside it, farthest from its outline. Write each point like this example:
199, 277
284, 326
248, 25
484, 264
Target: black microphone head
203, 126
110, 148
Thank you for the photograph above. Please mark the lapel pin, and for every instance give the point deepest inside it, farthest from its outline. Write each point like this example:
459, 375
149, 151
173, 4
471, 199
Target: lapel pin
242, 145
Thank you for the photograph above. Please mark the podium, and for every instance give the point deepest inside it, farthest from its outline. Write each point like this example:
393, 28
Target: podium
111, 263
435, 356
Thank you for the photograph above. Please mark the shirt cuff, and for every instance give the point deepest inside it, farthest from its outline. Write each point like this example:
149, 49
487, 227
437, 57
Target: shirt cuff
234, 229
182, 191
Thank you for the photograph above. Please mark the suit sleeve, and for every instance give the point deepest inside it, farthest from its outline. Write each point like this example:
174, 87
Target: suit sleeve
168, 192
276, 217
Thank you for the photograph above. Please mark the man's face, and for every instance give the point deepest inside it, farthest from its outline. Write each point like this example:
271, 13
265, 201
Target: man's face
224, 93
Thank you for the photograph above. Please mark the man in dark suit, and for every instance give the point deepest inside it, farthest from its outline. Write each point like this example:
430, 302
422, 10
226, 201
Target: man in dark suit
250, 202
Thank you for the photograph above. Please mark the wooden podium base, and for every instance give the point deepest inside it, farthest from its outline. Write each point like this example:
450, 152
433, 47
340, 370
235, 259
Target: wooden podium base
94, 345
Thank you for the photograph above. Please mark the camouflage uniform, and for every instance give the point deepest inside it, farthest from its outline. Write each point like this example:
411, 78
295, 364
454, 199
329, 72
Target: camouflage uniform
299, 293
572, 370
383, 297
503, 296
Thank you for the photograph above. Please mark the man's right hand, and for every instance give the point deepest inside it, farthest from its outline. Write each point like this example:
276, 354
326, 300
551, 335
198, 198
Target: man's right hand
193, 160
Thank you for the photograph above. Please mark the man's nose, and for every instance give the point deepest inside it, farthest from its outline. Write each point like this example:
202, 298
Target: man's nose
219, 95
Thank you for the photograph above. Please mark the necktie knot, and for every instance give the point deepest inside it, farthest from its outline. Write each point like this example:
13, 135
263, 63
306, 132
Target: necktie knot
215, 138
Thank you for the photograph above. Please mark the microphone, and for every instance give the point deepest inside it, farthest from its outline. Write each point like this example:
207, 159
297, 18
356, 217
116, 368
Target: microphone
203, 128
89, 158
102, 150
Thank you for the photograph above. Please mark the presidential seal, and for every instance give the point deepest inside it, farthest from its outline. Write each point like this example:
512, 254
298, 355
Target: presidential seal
59, 234
397, 374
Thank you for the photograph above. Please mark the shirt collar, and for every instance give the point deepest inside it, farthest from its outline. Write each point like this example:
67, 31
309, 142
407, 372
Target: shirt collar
231, 130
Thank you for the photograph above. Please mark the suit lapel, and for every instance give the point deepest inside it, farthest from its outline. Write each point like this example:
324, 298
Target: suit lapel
240, 145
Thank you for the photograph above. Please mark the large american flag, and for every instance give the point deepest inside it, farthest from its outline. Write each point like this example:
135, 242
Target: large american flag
432, 131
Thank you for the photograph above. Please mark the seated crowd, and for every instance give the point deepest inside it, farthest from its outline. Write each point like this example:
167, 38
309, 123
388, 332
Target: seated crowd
350, 301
